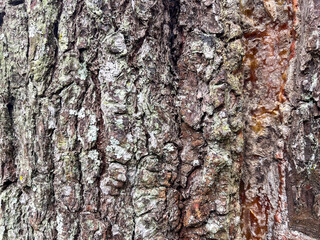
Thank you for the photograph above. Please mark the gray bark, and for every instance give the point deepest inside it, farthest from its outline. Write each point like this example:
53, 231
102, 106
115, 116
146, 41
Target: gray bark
159, 119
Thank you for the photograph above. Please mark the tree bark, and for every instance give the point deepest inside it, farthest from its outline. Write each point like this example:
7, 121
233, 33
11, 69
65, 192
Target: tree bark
159, 119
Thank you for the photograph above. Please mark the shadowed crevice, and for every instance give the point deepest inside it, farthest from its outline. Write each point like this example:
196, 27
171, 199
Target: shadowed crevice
175, 45
16, 2
2, 14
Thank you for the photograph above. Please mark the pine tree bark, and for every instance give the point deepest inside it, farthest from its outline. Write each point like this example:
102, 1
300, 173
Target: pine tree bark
159, 119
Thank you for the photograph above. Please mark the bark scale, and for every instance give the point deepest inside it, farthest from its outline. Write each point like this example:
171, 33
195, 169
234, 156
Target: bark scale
160, 119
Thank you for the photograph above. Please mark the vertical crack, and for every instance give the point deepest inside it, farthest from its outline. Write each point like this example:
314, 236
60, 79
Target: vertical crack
2, 14
172, 7
100, 146
175, 44
28, 36
8, 166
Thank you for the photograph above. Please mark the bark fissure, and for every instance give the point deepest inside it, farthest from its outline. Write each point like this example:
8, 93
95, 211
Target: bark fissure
2, 14
16, 2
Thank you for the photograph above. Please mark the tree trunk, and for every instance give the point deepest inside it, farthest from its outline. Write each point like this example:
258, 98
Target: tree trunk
159, 119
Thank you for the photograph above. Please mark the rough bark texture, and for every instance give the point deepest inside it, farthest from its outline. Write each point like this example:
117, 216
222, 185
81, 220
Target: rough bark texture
159, 119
